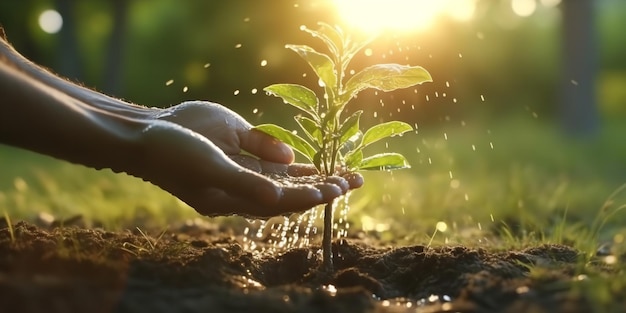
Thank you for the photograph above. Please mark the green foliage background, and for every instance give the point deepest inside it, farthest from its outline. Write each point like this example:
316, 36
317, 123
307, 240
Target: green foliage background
532, 175
513, 61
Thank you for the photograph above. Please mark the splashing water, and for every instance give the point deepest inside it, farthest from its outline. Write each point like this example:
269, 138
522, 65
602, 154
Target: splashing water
281, 233
443, 300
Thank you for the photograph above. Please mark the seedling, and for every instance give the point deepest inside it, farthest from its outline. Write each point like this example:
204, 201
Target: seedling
335, 143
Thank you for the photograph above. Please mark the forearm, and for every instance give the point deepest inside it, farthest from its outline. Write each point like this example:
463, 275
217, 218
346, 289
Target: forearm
11, 57
39, 118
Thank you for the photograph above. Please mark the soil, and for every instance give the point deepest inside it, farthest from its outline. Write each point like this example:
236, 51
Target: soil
74, 269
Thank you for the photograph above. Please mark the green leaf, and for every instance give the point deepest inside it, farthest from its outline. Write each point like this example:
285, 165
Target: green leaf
384, 130
352, 47
322, 64
353, 159
384, 161
386, 77
330, 35
293, 140
350, 127
299, 96
311, 129
317, 161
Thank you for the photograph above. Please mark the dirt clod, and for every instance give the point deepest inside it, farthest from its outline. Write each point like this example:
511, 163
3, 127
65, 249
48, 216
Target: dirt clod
74, 269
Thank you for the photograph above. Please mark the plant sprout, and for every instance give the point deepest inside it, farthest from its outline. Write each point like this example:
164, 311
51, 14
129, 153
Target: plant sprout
333, 142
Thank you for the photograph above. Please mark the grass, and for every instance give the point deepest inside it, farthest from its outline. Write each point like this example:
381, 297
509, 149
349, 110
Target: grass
535, 186
533, 183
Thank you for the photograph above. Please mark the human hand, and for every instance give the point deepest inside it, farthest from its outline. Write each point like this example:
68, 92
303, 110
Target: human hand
199, 146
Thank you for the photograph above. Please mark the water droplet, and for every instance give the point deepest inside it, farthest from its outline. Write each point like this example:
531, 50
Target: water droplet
447, 84
185, 89
237, 46
331, 289
455, 183
482, 98
441, 227
236, 92
263, 62
206, 65
575, 83
473, 147
460, 55
255, 111
254, 91
169, 82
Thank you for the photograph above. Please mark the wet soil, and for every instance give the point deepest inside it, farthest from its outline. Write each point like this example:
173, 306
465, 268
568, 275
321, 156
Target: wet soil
72, 269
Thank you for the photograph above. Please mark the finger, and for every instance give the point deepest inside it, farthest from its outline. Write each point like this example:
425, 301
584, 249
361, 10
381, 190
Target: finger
355, 180
340, 182
254, 187
217, 202
265, 146
329, 191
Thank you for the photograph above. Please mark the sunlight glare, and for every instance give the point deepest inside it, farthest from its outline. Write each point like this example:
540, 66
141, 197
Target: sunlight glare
550, 3
524, 7
377, 15
50, 21
461, 10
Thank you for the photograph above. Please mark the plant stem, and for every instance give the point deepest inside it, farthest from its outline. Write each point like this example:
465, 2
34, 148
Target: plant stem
327, 255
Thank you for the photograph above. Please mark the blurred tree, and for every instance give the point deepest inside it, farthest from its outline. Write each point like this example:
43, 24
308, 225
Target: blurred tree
115, 48
579, 112
69, 55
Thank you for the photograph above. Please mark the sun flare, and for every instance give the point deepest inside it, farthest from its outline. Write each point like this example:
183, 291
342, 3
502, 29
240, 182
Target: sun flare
375, 15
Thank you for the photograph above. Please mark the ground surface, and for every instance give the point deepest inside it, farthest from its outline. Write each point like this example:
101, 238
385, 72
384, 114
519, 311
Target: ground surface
72, 269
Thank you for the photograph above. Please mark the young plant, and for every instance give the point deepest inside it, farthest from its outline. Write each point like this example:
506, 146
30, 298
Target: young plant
335, 142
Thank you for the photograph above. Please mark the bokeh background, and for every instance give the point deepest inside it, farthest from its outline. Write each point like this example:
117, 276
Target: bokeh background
512, 52
524, 117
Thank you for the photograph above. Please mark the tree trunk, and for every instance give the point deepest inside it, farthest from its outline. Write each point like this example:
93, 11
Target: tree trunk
69, 58
115, 48
579, 112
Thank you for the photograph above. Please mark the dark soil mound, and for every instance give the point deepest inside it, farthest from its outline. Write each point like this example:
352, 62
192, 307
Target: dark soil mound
86, 270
